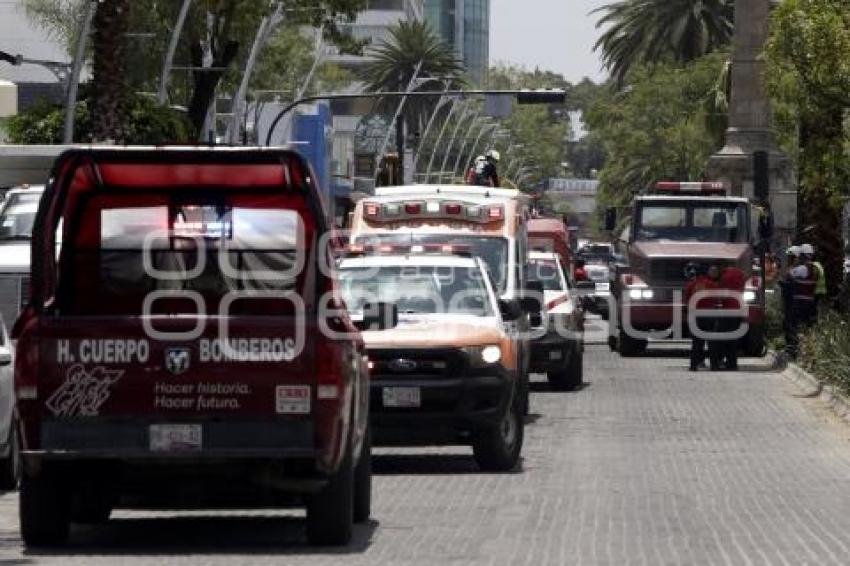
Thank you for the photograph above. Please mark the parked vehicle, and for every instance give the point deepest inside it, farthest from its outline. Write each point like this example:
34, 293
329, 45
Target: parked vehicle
559, 351
10, 454
594, 279
492, 223
551, 235
172, 343
679, 224
447, 374
17, 214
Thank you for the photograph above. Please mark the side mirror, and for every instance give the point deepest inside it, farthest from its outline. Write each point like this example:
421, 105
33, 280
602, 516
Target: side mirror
510, 310
610, 218
380, 316
532, 302
5, 356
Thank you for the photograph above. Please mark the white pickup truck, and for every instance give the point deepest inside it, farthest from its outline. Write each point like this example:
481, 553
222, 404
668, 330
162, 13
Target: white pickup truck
17, 214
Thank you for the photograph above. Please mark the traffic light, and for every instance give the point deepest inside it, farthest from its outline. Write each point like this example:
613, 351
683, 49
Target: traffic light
542, 96
761, 180
11, 59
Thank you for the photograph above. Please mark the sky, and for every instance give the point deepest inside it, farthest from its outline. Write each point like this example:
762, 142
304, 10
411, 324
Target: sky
556, 35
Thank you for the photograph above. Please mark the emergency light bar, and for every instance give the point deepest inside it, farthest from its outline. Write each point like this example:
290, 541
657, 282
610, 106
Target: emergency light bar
704, 188
433, 209
354, 250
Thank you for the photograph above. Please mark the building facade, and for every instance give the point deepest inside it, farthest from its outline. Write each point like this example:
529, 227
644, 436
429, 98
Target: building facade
465, 25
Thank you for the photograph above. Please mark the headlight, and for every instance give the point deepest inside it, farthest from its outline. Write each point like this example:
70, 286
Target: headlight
749, 296
638, 294
483, 355
491, 354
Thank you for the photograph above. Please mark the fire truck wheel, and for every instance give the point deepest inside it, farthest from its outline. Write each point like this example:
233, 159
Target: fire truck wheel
44, 508
497, 449
629, 346
363, 481
330, 513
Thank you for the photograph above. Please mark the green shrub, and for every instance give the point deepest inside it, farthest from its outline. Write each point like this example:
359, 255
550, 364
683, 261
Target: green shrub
146, 123
825, 349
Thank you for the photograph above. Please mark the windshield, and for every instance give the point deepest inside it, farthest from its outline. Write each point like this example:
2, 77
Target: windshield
212, 250
546, 271
17, 216
417, 289
693, 222
492, 250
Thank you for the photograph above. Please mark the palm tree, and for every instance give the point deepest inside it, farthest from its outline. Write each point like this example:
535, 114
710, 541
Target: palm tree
110, 23
647, 31
394, 62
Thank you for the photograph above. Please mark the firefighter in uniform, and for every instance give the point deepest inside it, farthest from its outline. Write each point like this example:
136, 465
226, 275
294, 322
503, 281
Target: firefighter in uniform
800, 283
699, 281
734, 280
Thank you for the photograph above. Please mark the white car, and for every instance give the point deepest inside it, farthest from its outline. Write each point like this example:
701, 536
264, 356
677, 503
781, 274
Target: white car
559, 352
17, 215
9, 446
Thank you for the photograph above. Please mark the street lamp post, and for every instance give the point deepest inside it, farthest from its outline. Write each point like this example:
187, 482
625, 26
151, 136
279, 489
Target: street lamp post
74, 79
440, 103
383, 147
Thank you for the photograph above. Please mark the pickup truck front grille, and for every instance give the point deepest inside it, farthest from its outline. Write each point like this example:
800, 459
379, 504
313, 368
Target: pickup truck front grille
437, 363
14, 291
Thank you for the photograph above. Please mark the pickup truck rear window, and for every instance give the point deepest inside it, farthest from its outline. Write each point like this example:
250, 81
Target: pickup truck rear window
126, 247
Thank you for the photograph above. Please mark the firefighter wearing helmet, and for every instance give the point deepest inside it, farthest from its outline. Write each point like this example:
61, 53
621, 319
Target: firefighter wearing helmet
483, 171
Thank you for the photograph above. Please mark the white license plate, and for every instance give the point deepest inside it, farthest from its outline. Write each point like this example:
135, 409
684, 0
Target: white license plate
402, 397
175, 437
603, 286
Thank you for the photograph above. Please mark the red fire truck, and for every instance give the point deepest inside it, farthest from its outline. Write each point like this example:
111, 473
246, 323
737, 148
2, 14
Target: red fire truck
679, 224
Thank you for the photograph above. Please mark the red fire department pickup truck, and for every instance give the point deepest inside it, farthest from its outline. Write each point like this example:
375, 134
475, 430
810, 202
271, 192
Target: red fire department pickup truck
172, 343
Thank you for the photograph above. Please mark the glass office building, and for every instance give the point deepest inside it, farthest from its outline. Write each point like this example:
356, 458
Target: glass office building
465, 25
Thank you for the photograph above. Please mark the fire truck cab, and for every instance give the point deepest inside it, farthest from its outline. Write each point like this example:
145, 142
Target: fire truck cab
681, 223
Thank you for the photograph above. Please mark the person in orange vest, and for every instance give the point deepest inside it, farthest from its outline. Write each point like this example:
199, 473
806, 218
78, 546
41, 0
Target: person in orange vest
732, 279
700, 280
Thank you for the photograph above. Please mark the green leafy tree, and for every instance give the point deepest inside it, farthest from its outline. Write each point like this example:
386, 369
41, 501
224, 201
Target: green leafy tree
646, 32
808, 75
656, 130
222, 30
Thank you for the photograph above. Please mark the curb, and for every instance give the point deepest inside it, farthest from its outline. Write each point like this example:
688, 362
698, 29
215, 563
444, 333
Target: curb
814, 388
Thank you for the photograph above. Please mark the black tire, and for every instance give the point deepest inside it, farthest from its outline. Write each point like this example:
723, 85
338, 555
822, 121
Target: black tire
10, 466
497, 449
92, 506
330, 513
571, 376
363, 481
525, 394
628, 346
753, 345
44, 509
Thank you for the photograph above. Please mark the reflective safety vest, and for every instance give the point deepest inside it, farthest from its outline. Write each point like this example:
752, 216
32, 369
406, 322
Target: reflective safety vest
804, 287
820, 285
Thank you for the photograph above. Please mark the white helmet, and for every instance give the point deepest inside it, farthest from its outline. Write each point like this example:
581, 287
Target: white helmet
807, 249
794, 251
493, 154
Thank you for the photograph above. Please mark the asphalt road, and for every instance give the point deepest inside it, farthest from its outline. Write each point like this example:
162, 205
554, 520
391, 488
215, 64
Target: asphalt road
648, 464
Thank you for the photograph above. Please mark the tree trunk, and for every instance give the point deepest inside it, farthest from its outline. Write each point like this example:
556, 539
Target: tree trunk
206, 82
110, 25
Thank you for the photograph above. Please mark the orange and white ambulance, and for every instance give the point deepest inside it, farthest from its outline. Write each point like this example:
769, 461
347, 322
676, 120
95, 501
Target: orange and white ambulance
492, 223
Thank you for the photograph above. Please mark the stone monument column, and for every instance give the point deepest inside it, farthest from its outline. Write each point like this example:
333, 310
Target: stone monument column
750, 126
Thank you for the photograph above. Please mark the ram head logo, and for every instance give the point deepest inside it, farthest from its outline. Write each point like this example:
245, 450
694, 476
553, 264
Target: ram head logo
177, 360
